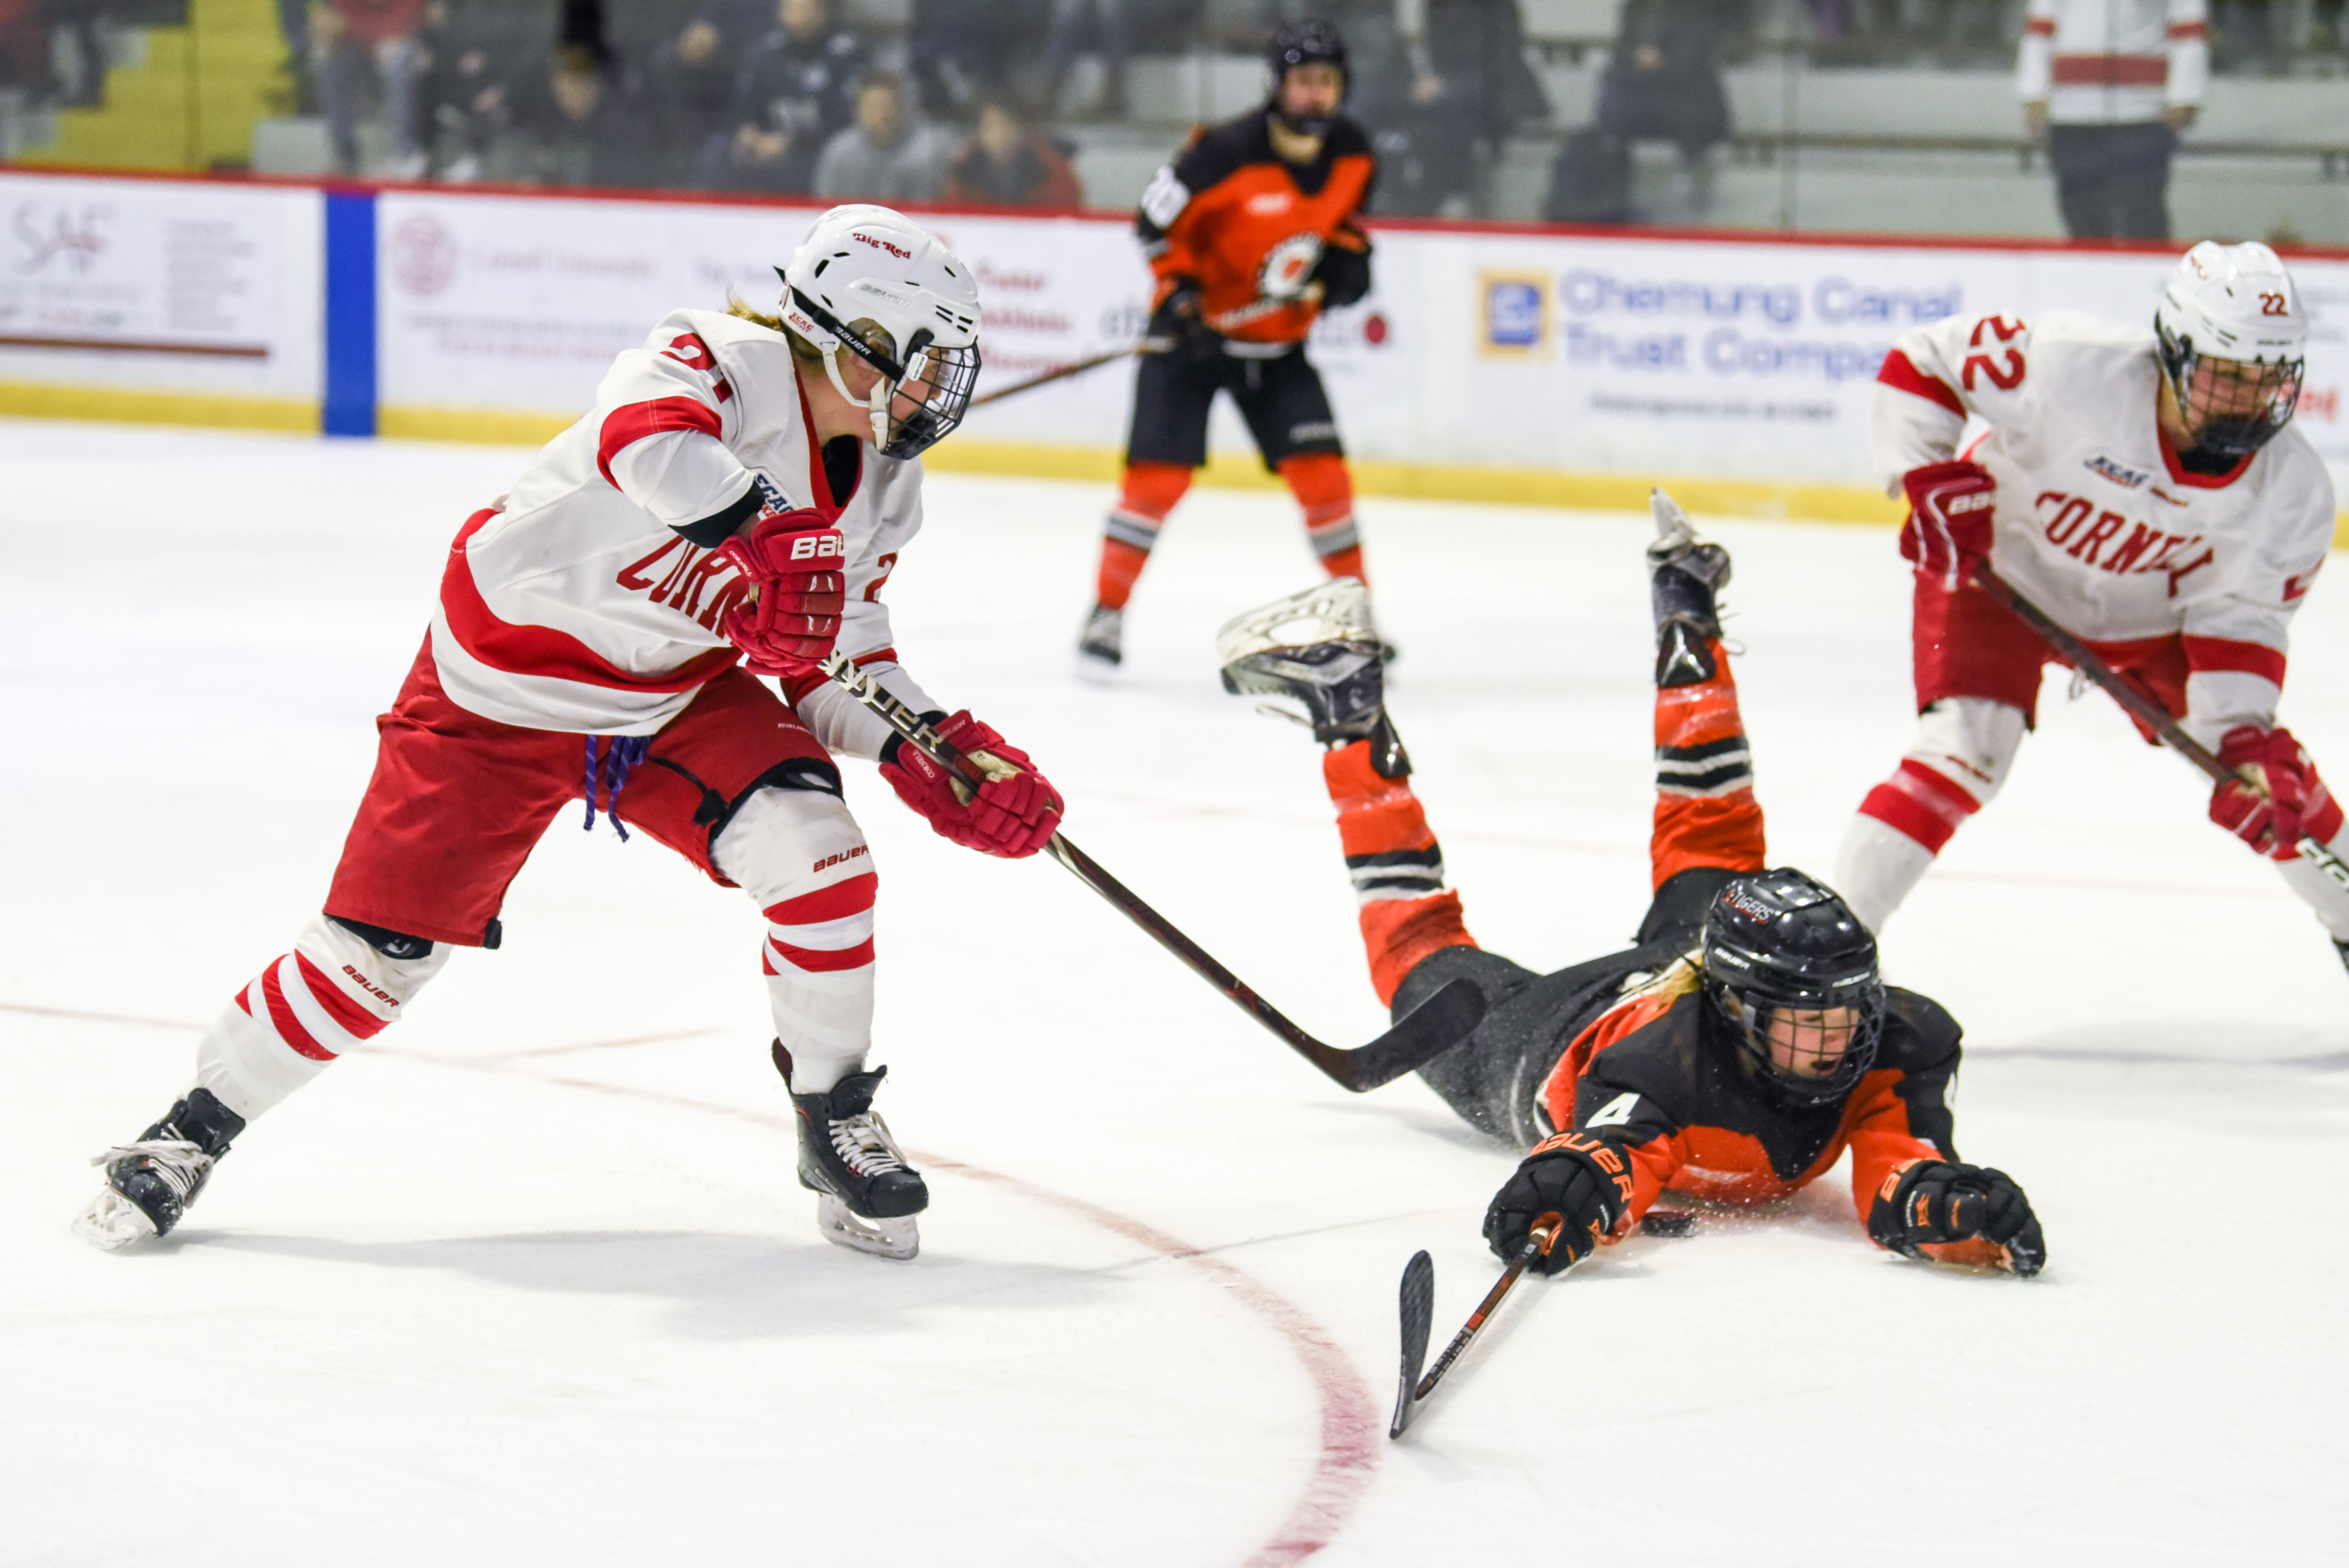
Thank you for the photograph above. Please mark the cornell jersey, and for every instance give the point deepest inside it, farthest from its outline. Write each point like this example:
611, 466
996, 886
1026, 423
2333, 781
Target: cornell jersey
2097, 522
1252, 228
589, 598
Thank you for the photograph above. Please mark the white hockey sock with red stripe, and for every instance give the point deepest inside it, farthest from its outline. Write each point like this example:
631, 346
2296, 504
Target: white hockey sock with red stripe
1964, 746
802, 856
332, 992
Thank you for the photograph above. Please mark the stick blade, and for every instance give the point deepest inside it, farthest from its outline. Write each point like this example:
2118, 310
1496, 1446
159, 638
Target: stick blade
1420, 1036
1418, 1303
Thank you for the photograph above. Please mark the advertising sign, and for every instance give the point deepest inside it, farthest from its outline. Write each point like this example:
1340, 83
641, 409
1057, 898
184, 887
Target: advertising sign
159, 286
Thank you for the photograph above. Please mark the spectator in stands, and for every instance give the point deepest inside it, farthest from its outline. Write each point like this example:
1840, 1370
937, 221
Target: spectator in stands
351, 39
479, 55
2110, 84
959, 51
1009, 163
795, 92
1107, 25
1455, 79
1663, 82
686, 80
583, 131
890, 154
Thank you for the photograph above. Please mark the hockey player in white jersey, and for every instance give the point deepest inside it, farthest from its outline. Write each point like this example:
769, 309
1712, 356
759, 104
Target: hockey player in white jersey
2144, 489
737, 497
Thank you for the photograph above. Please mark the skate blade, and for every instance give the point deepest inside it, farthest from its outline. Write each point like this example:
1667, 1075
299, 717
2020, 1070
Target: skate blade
1336, 611
113, 1222
844, 1227
1673, 529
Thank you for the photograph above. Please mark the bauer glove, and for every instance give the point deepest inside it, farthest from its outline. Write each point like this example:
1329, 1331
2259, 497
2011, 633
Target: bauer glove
1581, 1181
1010, 815
1933, 1203
2276, 799
1951, 509
793, 564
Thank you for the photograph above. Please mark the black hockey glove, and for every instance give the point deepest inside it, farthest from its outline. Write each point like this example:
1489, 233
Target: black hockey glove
1933, 1203
1581, 1181
1343, 273
1181, 321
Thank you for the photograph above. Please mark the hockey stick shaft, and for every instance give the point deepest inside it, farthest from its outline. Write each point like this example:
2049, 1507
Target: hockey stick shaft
1438, 1023
1537, 1243
2137, 704
1147, 345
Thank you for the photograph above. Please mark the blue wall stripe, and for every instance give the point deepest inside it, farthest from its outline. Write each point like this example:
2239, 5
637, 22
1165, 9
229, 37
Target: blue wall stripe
349, 402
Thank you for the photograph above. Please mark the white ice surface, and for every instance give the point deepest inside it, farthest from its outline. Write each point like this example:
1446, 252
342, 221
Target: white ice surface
531, 1282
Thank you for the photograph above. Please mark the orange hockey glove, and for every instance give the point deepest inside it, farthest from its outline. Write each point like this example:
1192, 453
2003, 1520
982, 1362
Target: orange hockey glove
1932, 1202
1578, 1176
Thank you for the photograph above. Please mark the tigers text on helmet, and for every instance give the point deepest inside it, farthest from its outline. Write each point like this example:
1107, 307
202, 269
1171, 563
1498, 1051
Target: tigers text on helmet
873, 282
1793, 972
2234, 343
1310, 41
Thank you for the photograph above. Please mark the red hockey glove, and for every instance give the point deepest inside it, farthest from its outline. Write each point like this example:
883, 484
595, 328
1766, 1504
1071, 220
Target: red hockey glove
1947, 533
2274, 807
792, 563
1012, 814
1576, 1177
1932, 1202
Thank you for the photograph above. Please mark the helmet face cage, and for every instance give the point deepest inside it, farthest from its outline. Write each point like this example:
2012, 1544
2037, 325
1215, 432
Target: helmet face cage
1811, 1053
932, 386
2230, 406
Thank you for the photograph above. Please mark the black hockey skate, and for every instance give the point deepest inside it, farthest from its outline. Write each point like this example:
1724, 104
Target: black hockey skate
150, 1183
1684, 574
867, 1195
1101, 647
1318, 649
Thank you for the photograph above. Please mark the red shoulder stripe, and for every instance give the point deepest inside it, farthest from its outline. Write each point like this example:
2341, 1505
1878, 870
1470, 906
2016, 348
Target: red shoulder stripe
1900, 372
625, 427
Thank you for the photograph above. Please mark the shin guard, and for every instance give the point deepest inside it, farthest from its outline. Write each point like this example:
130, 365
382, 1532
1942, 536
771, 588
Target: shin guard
1964, 748
1146, 496
1706, 814
803, 858
1325, 492
1397, 867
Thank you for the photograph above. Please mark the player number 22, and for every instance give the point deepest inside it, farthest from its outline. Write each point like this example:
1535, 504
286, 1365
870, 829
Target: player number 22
2272, 305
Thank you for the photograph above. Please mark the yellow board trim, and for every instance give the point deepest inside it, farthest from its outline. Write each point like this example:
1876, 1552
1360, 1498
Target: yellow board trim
133, 406
1426, 481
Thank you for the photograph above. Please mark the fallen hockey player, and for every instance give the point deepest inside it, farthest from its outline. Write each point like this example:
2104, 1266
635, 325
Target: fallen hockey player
1734, 1053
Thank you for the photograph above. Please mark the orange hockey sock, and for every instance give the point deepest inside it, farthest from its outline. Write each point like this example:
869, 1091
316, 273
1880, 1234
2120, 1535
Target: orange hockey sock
1706, 814
1326, 491
1397, 867
1146, 494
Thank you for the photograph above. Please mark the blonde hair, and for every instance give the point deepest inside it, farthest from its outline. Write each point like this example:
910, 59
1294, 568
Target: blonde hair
802, 348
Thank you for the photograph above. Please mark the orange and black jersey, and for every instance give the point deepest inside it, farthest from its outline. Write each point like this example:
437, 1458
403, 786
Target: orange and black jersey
1253, 230
1652, 1069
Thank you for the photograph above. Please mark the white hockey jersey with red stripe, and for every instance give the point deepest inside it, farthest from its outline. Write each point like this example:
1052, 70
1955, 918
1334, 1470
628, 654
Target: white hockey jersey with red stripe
577, 604
2112, 62
2097, 524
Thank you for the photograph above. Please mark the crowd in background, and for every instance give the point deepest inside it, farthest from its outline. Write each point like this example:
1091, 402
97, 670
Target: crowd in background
973, 100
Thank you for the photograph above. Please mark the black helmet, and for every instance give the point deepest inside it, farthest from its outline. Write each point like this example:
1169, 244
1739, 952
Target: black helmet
1778, 940
1303, 42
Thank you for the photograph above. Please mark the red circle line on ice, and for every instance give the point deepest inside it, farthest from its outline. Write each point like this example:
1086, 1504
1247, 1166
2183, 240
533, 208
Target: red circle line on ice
1352, 1425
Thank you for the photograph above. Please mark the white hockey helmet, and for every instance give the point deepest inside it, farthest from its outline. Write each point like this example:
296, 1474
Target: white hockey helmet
878, 284
2234, 342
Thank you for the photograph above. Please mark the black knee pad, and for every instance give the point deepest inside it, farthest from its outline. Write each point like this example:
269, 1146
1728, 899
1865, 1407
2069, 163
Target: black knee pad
394, 944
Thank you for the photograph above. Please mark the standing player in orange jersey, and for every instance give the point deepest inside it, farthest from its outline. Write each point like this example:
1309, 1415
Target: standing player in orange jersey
1251, 232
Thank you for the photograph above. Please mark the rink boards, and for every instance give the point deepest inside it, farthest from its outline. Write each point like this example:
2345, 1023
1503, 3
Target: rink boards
1571, 367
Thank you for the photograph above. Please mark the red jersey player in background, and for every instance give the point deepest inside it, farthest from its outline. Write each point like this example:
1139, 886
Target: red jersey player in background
1734, 1053
740, 492
2145, 490
1249, 232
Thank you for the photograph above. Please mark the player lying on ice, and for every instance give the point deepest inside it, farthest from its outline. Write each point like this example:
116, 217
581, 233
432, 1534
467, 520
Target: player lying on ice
1734, 1053
737, 497
2144, 489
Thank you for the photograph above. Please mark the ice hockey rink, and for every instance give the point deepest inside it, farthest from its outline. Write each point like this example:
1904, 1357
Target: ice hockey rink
529, 1279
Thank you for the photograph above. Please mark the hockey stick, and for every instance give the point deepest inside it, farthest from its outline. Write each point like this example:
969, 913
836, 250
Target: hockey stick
1419, 1309
1427, 1032
1145, 346
2139, 706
